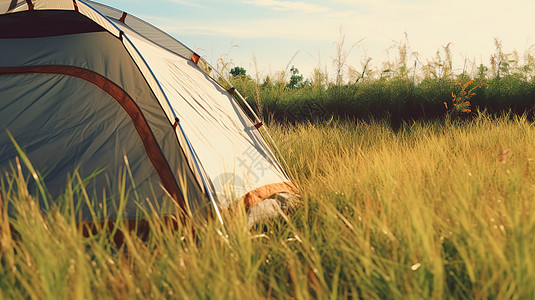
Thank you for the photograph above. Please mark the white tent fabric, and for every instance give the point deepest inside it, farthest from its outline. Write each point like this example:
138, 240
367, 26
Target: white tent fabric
223, 138
219, 140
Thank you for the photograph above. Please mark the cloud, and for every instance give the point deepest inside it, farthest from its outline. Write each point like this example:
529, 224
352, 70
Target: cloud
314, 27
206, 30
341, 14
256, 28
302, 7
186, 3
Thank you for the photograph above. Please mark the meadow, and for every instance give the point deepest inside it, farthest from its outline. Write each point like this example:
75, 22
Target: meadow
433, 210
403, 195
405, 89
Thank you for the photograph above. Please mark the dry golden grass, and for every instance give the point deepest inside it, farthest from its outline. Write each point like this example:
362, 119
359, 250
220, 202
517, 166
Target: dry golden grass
435, 210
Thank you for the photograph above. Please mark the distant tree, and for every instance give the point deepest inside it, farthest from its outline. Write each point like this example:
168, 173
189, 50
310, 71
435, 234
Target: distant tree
238, 71
296, 80
267, 83
482, 72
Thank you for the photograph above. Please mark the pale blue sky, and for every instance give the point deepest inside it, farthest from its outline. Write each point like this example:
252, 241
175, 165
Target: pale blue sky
274, 30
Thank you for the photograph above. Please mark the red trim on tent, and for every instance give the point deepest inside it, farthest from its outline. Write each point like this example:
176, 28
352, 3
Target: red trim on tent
30, 4
152, 148
256, 196
195, 58
123, 17
75, 5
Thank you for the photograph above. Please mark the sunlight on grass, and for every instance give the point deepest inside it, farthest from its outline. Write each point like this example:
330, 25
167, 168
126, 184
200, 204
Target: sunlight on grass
435, 210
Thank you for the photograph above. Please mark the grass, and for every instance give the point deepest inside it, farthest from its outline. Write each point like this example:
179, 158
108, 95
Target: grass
405, 89
397, 99
431, 211
436, 210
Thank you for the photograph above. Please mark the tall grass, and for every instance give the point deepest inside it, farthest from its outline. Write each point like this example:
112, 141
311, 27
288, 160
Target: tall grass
434, 210
405, 89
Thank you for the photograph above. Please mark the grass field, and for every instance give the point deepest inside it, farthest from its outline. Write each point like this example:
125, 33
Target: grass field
406, 88
440, 210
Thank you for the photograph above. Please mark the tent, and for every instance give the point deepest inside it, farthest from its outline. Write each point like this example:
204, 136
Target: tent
90, 89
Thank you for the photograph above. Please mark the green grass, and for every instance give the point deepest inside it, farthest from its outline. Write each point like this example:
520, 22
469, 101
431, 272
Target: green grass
406, 88
433, 210
397, 99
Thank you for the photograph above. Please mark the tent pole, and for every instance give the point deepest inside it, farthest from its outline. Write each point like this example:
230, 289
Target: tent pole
195, 159
263, 126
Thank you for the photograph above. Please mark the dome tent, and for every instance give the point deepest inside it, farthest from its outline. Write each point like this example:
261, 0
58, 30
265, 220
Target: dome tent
85, 87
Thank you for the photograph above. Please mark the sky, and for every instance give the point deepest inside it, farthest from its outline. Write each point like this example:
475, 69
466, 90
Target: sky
280, 33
